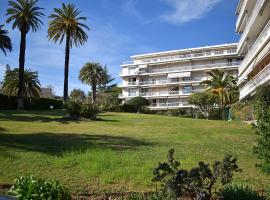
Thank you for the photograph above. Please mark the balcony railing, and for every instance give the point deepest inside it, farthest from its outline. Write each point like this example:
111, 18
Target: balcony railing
263, 37
168, 105
250, 22
258, 80
241, 13
185, 56
186, 68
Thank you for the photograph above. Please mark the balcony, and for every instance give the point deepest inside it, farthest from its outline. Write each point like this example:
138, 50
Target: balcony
250, 23
187, 68
259, 79
190, 55
263, 38
241, 14
169, 105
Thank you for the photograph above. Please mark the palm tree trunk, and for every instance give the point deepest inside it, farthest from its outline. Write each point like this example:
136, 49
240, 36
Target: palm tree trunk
67, 51
94, 92
20, 103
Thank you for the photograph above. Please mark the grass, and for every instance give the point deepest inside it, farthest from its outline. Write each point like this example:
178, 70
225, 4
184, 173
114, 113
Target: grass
119, 152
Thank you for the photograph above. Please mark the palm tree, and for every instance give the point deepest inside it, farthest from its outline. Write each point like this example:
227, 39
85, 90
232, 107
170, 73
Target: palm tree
66, 23
25, 16
92, 74
5, 41
223, 85
31, 84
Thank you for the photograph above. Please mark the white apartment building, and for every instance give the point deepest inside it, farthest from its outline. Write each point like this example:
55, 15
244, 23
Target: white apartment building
254, 26
168, 78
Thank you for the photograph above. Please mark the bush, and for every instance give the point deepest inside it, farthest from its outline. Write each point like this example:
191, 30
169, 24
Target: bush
73, 109
199, 182
262, 127
138, 103
111, 103
154, 196
10, 103
88, 110
128, 108
243, 111
30, 187
239, 192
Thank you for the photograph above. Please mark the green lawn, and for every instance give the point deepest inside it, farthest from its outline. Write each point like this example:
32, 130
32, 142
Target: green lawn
118, 152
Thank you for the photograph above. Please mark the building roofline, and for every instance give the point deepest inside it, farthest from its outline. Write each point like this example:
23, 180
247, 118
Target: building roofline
181, 50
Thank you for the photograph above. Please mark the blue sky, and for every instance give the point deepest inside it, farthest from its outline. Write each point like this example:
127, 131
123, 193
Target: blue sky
121, 28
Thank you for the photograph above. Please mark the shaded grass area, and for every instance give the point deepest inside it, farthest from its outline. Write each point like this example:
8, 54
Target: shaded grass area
119, 151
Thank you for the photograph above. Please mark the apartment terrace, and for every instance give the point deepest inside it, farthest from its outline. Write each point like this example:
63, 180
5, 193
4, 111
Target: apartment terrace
168, 69
183, 56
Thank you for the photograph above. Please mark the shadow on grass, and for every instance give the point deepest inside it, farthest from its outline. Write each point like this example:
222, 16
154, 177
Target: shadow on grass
42, 117
58, 144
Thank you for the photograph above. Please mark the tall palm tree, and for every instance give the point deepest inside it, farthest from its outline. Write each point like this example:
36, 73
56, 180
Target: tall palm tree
31, 84
25, 16
66, 23
5, 41
93, 75
223, 85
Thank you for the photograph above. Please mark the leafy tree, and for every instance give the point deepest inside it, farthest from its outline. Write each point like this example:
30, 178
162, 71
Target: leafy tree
66, 22
93, 75
262, 127
111, 102
31, 84
5, 41
204, 101
223, 85
138, 103
25, 16
106, 84
77, 95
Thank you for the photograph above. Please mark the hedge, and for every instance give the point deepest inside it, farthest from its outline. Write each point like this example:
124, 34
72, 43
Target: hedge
10, 103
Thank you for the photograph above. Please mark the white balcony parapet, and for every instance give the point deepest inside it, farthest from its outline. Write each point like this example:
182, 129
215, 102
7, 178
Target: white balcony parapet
250, 22
185, 56
260, 42
258, 80
183, 68
241, 14
169, 105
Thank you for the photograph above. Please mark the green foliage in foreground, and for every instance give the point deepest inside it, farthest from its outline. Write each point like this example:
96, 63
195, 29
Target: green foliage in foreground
239, 192
118, 152
30, 187
262, 127
200, 182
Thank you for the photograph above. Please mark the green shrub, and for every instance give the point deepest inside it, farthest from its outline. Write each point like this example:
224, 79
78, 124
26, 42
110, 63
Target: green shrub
262, 127
89, 110
200, 182
128, 108
138, 103
152, 196
10, 103
239, 192
243, 111
30, 187
73, 109
111, 103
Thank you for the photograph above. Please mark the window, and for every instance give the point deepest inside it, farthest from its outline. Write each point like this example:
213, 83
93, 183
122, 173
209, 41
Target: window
187, 89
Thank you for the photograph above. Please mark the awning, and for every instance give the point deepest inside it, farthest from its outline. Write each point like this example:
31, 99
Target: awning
179, 75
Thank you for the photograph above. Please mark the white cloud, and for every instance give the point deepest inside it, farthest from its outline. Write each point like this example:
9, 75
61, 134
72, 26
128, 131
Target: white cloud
187, 10
129, 6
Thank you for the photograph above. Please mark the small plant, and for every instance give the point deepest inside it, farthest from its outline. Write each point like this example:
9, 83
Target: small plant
30, 187
239, 192
199, 182
89, 110
73, 109
152, 196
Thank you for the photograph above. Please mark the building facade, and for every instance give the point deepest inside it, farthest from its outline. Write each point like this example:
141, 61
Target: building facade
166, 79
253, 24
